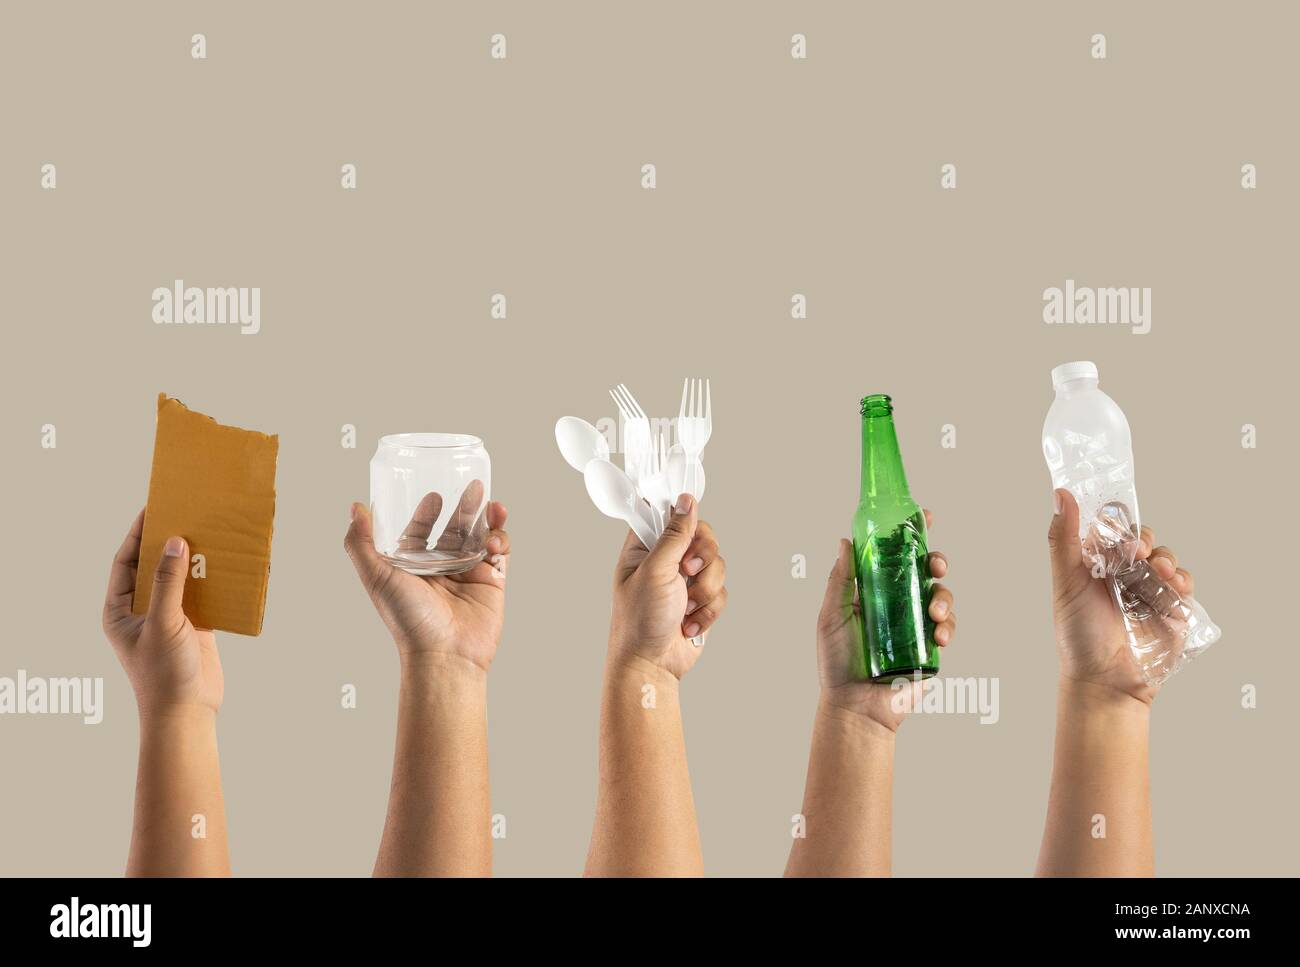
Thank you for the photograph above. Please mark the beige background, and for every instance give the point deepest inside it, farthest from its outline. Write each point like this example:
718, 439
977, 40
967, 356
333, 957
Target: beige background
775, 177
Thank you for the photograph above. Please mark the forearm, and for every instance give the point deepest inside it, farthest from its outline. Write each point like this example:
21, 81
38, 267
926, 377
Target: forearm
439, 806
645, 813
848, 799
179, 827
1099, 808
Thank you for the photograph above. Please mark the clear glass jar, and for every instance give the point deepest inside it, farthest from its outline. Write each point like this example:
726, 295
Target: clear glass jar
428, 496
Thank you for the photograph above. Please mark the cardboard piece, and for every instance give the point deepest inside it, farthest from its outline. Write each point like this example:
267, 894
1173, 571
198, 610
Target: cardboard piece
214, 486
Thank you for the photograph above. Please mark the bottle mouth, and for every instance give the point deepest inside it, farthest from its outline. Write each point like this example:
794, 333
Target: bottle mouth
877, 404
430, 441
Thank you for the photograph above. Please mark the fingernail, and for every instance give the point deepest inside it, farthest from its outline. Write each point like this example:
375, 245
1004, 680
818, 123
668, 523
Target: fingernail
940, 609
691, 606
494, 544
683, 505
1056, 498
352, 512
692, 629
173, 547
941, 636
694, 564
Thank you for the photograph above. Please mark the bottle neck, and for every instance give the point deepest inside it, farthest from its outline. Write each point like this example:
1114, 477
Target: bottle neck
882, 461
1074, 387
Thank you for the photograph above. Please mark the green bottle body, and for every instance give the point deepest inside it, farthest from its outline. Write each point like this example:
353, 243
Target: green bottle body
891, 557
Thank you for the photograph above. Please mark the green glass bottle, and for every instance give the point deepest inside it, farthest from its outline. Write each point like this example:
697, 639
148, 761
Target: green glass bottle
890, 556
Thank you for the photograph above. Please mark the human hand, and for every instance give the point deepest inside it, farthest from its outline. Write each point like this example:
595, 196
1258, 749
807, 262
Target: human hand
669, 594
841, 645
449, 615
171, 664
1090, 633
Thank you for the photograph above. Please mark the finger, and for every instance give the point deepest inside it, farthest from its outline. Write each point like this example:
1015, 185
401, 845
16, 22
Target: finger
1165, 553
702, 552
705, 586
929, 518
1163, 567
938, 565
415, 536
459, 531
945, 630
498, 542
940, 603
165, 611
1186, 584
359, 542
121, 578
630, 557
1146, 542
670, 549
1063, 539
702, 619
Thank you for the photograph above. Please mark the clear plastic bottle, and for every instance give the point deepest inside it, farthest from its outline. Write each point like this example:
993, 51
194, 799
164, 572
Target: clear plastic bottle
1089, 452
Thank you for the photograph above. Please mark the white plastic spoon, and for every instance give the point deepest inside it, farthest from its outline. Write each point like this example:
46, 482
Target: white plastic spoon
614, 494
580, 442
679, 473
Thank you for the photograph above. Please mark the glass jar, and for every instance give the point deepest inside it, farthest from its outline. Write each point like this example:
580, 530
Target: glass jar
428, 497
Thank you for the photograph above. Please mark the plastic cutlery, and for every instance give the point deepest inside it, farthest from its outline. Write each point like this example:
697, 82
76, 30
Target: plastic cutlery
682, 477
580, 442
614, 494
694, 427
636, 432
654, 484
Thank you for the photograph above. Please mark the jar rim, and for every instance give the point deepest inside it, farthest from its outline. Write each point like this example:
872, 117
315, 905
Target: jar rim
430, 441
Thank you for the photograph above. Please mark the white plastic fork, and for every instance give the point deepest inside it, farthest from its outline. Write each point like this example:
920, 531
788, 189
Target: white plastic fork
655, 486
694, 425
636, 433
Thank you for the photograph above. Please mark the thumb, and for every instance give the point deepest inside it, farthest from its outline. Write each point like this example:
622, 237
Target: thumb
678, 533
1063, 539
360, 545
169, 585
841, 583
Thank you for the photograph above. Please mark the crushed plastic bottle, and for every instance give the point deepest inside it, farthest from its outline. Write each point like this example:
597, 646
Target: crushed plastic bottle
1089, 451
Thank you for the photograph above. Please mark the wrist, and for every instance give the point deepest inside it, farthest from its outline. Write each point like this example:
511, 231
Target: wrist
442, 671
622, 666
160, 715
853, 722
1093, 699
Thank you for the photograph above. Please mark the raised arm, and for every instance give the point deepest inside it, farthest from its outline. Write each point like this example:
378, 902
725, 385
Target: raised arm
446, 629
645, 814
847, 811
179, 826
1099, 807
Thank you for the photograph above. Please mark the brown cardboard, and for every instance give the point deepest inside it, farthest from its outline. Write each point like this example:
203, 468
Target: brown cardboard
213, 485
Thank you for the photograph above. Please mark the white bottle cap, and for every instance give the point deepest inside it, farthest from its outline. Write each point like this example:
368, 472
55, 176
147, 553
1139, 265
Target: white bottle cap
1068, 371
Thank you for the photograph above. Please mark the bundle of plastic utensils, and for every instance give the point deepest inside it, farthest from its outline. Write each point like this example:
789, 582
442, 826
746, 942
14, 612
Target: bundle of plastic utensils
654, 473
